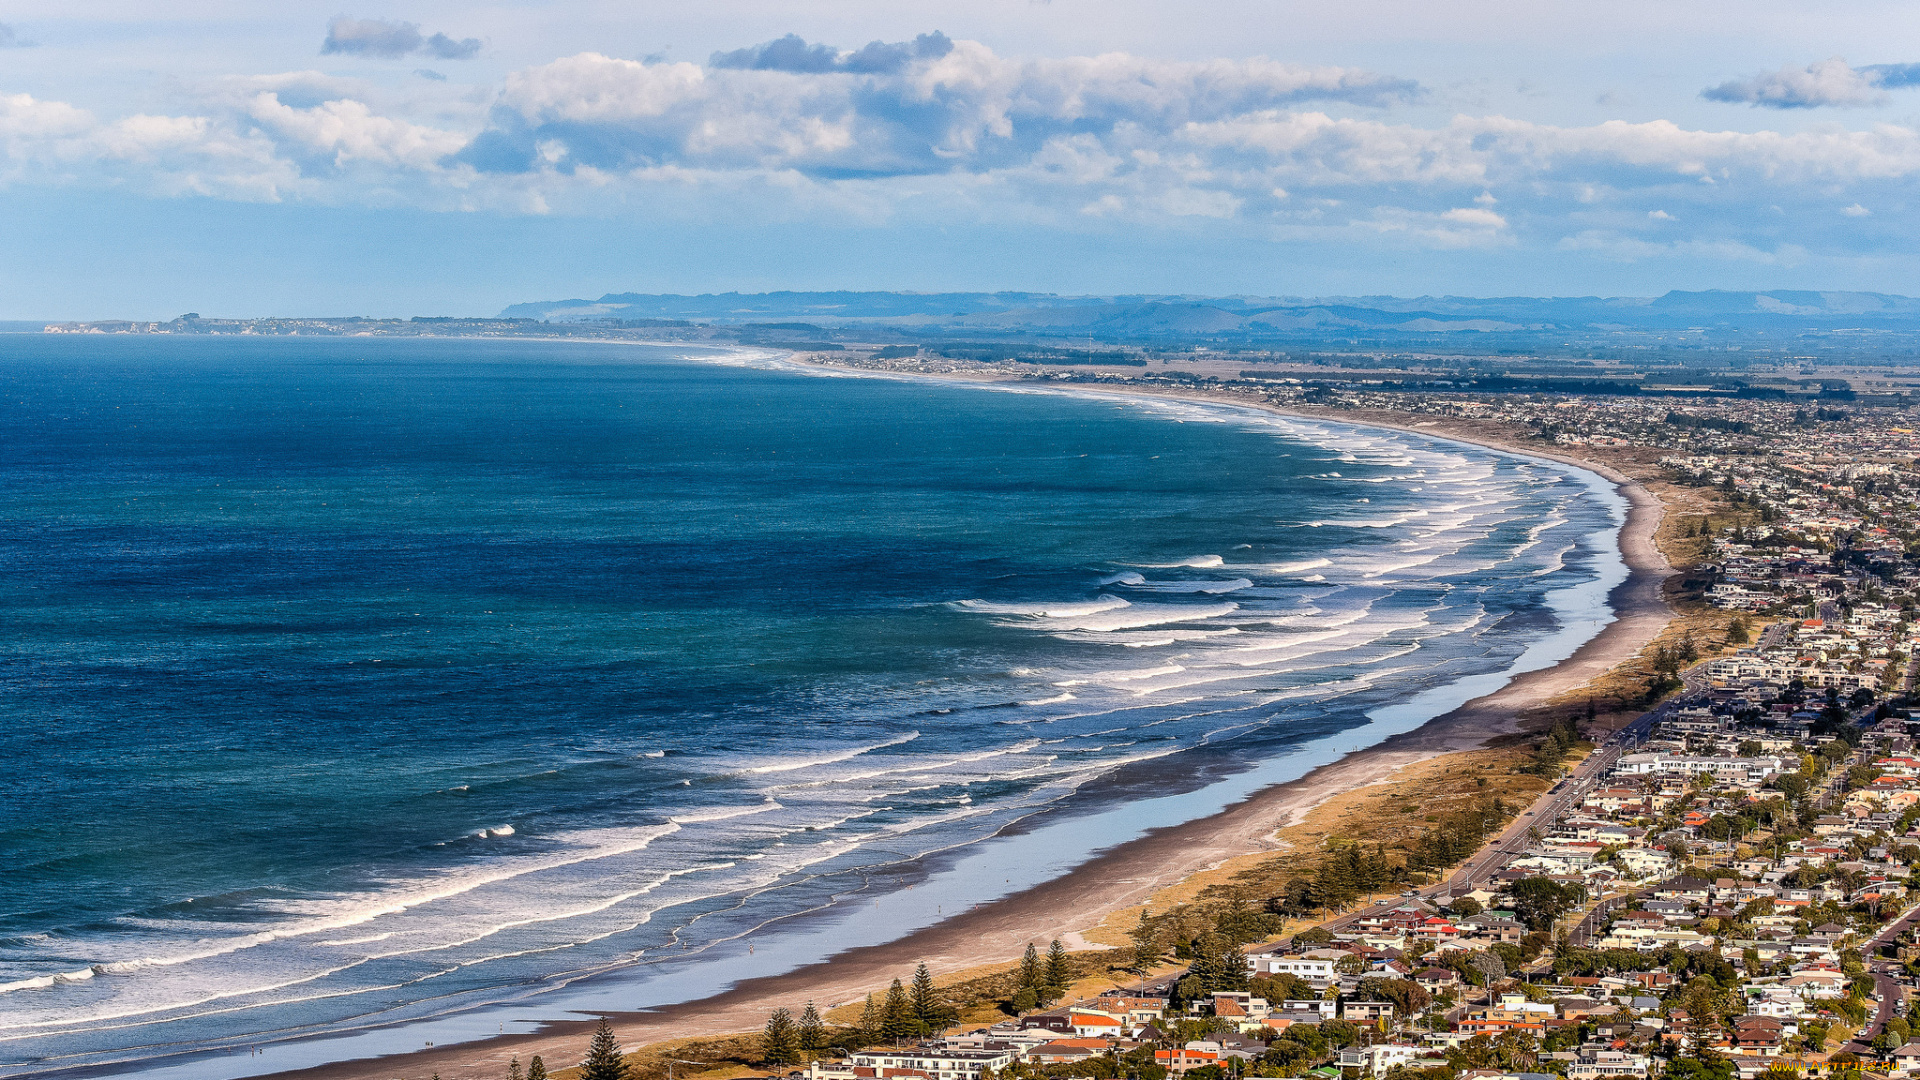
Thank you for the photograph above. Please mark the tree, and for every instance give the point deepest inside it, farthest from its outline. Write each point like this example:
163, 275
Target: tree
1218, 964
899, 1022
813, 1033
1058, 977
926, 1002
1706, 1065
513, 1069
1464, 907
1146, 945
1294, 901
604, 1060
1540, 901
1408, 997
1030, 977
780, 1044
536, 1069
873, 1022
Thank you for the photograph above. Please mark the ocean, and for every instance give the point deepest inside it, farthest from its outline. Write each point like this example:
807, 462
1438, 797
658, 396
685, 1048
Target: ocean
351, 682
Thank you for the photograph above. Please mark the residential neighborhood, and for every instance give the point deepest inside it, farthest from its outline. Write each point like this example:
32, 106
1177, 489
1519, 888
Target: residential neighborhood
1718, 889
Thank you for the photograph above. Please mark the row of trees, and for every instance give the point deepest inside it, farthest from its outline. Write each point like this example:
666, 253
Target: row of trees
1042, 982
906, 1011
1553, 750
536, 1069
1458, 835
787, 1041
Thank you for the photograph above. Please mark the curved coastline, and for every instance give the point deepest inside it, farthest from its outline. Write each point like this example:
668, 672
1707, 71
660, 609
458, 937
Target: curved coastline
1131, 872
1239, 822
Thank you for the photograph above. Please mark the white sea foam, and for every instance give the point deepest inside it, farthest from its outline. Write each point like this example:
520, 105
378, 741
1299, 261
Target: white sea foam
1282, 568
1136, 616
1054, 700
828, 759
1198, 562
1042, 610
1209, 587
724, 813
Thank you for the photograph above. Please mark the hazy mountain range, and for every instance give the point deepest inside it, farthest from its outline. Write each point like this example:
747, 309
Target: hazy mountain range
1776, 310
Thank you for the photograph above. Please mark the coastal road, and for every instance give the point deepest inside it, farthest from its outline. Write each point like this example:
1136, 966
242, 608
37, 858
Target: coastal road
1583, 931
1543, 814
1546, 810
1884, 984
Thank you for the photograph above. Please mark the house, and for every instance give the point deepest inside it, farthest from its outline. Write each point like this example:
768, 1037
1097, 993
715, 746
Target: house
1191, 1056
1906, 1060
1437, 980
1366, 1012
1061, 1051
1757, 1035
1377, 1060
1596, 1064
1317, 971
927, 1063
1096, 1025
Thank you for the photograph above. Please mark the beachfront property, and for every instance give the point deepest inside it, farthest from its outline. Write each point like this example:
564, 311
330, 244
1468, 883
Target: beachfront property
1735, 886
1782, 876
1318, 972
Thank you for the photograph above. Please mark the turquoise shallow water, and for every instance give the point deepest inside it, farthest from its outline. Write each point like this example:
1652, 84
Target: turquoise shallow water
351, 681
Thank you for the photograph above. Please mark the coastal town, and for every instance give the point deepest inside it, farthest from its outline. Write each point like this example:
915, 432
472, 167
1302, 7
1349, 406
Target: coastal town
1714, 885
1696, 866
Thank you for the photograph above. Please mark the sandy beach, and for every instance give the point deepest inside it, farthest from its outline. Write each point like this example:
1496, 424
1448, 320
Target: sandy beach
1123, 876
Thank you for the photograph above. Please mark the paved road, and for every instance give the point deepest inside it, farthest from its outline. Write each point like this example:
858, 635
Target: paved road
1547, 809
1596, 919
1543, 814
1891, 996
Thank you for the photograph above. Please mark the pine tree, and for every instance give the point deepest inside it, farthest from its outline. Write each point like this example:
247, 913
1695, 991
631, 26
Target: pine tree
780, 1045
900, 1022
926, 1003
1030, 969
1146, 945
1057, 977
813, 1033
536, 1069
604, 1061
873, 1022
513, 1069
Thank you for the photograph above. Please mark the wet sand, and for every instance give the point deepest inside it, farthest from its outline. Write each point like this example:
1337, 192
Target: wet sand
1122, 877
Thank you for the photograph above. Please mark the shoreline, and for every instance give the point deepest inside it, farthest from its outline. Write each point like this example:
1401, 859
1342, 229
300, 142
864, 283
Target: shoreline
1129, 874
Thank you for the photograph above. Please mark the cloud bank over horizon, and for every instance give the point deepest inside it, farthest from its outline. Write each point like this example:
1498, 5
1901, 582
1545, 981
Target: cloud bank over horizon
938, 133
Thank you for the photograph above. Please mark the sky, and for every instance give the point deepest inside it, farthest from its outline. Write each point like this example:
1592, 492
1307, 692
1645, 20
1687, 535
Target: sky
405, 157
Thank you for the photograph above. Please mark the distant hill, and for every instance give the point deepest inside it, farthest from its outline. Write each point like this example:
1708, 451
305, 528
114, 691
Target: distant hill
1154, 316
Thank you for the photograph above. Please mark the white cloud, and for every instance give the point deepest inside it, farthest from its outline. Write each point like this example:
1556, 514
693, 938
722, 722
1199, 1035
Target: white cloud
348, 132
959, 134
1830, 83
1856, 210
1474, 216
924, 112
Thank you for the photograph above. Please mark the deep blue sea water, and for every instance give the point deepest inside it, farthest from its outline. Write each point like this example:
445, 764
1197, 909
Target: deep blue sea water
349, 681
